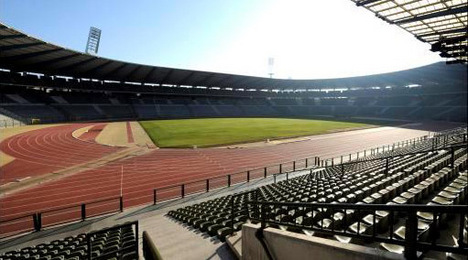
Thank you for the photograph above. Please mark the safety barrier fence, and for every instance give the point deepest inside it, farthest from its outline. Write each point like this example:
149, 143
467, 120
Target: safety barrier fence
51, 217
378, 226
10, 123
205, 185
59, 215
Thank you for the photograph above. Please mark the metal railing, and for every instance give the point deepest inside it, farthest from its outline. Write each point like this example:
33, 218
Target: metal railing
10, 123
437, 141
205, 185
377, 227
82, 211
381, 219
389, 158
59, 215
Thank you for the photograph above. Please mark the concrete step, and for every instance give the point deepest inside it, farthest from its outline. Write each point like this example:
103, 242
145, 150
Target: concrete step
235, 244
175, 240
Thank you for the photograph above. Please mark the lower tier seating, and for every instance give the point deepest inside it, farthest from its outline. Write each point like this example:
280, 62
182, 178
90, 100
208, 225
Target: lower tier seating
117, 243
415, 178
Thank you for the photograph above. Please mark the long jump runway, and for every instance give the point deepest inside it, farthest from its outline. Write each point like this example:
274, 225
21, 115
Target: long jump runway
45, 150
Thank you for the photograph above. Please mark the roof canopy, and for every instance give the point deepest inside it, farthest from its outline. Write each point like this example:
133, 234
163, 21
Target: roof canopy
20, 52
441, 23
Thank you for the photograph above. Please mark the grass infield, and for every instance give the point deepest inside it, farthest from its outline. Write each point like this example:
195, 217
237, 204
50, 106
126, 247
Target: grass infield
222, 131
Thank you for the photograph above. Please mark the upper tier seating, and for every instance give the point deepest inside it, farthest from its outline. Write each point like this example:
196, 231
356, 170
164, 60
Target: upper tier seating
80, 112
202, 111
117, 111
45, 113
445, 106
174, 111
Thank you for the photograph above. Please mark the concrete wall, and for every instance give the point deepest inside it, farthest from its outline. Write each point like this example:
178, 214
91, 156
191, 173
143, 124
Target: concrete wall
291, 246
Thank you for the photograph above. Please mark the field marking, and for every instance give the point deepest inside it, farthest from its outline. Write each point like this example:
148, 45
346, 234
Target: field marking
168, 166
45, 151
8, 132
80, 131
5, 159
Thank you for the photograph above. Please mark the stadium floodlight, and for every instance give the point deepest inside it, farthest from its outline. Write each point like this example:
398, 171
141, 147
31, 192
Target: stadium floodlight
271, 62
94, 37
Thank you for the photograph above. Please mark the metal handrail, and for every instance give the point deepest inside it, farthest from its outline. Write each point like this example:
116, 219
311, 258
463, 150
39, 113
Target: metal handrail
307, 166
36, 217
410, 242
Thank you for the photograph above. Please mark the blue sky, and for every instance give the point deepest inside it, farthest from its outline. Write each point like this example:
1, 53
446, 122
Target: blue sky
306, 38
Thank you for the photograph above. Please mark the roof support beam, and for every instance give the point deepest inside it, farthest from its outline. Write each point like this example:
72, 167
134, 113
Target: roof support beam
457, 40
366, 2
19, 46
89, 73
458, 10
115, 70
166, 77
238, 81
216, 82
449, 62
445, 54
36, 66
204, 81
52, 61
450, 48
225, 79
148, 75
13, 36
74, 65
29, 55
131, 73
181, 81
459, 30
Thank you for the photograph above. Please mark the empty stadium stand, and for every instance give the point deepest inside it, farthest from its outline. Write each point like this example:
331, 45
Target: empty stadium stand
317, 201
60, 106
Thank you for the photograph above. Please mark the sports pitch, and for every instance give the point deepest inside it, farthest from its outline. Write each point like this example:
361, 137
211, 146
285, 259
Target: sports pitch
185, 133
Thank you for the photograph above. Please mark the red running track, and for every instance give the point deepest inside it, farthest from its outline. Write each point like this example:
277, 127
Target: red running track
165, 167
49, 149
129, 134
92, 133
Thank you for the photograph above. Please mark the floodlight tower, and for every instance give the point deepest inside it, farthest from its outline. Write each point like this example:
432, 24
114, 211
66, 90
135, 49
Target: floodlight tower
94, 37
271, 62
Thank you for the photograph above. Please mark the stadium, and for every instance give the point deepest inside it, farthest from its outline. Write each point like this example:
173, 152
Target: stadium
110, 159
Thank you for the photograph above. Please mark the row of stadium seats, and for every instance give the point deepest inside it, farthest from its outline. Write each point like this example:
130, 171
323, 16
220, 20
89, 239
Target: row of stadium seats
27, 96
57, 106
409, 179
69, 112
117, 243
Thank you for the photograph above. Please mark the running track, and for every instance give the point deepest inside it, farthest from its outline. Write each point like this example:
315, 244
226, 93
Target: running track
52, 148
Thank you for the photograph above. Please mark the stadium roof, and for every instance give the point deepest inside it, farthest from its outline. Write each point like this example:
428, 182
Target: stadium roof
441, 23
20, 52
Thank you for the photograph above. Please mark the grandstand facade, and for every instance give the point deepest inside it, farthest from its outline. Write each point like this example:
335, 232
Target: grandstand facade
53, 84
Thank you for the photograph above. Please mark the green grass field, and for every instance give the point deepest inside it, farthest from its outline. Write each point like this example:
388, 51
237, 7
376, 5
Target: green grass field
222, 131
